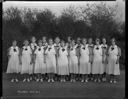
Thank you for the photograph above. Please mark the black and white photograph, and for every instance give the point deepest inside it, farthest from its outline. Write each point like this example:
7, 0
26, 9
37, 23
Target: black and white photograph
63, 49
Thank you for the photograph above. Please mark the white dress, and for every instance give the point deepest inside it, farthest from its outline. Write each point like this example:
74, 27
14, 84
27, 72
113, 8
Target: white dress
112, 67
97, 66
50, 59
63, 62
84, 60
90, 46
57, 47
26, 59
33, 47
40, 66
104, 49
13, 63
73, 61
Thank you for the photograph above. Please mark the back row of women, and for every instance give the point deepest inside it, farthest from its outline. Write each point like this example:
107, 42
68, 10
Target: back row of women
62, 61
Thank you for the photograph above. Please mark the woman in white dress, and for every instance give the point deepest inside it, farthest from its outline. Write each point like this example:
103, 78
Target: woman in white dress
45, 44
97, 66
84, 68
57, 46
26, 61
51, 60
40, 66
90, 46
104, 49
78, 45
113, 69
14, 61
63, 62
33, 46
73, 61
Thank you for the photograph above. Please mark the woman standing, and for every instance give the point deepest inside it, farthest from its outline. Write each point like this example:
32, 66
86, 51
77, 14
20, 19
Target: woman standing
14, 61
113, 68
104, 49
40, 66
97, 66
84, 61
73, 61
51, 60
33, 47
26, 61
63, 62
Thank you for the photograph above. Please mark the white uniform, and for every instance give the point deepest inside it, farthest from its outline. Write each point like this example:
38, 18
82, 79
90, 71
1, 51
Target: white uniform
73, 61
112, 67
84, 60
63, 62
97, 66
13, 64
40, 66
104, 49
50, 59
26, 59
57, 46
33, 46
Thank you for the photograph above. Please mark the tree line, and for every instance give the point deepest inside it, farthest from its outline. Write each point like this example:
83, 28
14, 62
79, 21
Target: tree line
92, 20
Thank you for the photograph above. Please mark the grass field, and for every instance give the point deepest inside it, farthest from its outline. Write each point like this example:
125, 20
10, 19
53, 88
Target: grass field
90, 90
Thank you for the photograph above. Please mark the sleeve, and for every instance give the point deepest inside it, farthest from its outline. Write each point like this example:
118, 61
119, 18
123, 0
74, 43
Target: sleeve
9, 51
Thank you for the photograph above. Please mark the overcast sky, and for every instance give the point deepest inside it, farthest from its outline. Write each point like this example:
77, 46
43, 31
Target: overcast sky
57, 7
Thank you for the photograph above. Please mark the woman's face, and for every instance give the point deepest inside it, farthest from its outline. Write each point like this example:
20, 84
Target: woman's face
50, 41
104, 41
90, 41
84, 41
40, 44
69, 39
78, 40
73, 42
44, 39
97, 42
62, 43
26, 43
33, 39
14, 43
57, 40
113, 42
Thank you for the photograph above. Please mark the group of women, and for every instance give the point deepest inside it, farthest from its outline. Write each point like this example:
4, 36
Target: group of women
57, 60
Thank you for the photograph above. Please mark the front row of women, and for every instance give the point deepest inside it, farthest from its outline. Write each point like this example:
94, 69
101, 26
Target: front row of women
64, 61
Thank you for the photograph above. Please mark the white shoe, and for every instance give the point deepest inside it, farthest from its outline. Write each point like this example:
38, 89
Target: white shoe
24, 80
71, 80
82, 80
64, 80
28, 80
12, 80
16, 80
52, 80
95, 80
37, 80
86, 80
114, 81
49, 80
110, 81
41, 80
74, 80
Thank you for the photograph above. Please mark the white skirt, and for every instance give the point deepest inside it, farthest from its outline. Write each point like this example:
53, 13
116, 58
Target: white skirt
97, 66
26, 66
51, 64
85, 67
13, 64
73, 64
40, 66
112, 67
63, 65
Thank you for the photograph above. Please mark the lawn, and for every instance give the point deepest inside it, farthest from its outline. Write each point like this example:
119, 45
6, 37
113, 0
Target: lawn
90, 90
